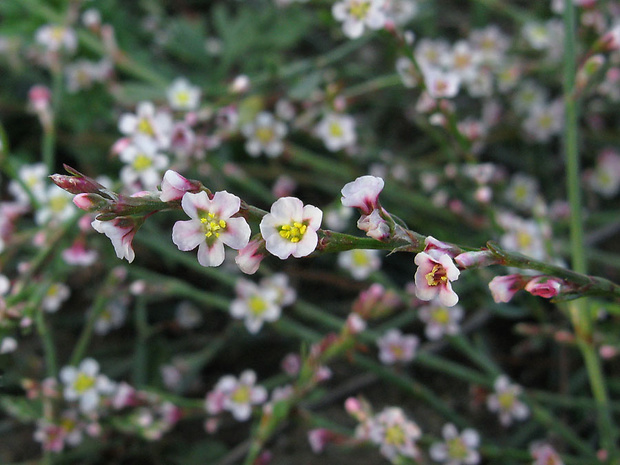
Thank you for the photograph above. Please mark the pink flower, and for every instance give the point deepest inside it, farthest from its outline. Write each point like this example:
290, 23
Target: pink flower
544, 454
290, 228
363, 193
90, 202
504, 287
120, 231
435, 272
543, 286
475, 259
319, 438
174, 186
211, 226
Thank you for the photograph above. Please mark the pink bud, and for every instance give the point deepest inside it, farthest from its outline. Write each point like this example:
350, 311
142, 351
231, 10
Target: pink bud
475, 259
543, 286
90, 202
249, 257
40, 98
174, 186
319, 438
503, 288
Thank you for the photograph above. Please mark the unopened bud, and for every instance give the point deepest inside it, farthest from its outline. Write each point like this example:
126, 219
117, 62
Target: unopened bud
90, 202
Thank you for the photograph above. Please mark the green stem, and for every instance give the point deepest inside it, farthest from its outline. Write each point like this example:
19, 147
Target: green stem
579, 310
49, 348
140, 373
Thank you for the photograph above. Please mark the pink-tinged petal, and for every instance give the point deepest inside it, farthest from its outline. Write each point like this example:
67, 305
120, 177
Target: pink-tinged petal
452, 272
237, 234
187, 235
211, 256
447, 296
307, 245
279, 247
191, 203
268, 225
287, 209
313, 215
225, 205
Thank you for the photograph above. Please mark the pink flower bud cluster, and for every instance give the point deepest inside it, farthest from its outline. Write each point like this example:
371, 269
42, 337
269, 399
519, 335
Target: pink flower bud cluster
363, 193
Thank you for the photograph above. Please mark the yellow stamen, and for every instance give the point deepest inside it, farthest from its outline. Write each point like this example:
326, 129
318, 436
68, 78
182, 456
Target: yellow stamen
83, 383
359, 9
145, 127
264, 135
394, 435
142, 162
212, 226
241, 395
436, 276
257, 305
293, 232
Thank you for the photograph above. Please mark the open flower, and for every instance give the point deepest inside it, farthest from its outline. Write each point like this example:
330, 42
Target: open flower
337, 131
394, 433
397, 347
440, 320
359, 14
255, 304
182, 95
211, 226
236, 395
120, 231
505, 401
435, 272
290, 228
360, 262
363, 193
85, 384
264, 134
457, 448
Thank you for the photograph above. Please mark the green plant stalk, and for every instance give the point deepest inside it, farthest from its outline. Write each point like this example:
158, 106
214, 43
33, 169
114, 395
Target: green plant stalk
141, 352
579, 310
49, 349
80, 348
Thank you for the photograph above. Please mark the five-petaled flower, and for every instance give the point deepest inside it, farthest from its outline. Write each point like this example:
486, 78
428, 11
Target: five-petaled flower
457, 448
85, 384
236, 395
290, 228
211, 226
434, 275
505, 401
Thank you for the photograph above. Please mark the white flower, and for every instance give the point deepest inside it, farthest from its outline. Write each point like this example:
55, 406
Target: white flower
440, 320
360, 262
7, 345
182, 95
545, 121
144, 163
56, 38
57, 206
337, 131
211, 226
394, 433
34, 178
187, 315
407, 72
290, 228
85, 384
111, 317
356, 15
505, 401
56, 294
264, 134
121, 231
457, 449
397, 347
236, 395
440, 84
147, 122
255, 304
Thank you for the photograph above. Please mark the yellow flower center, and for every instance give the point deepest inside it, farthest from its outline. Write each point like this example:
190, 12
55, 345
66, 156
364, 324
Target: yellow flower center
142, 162
360, 258
456, 448
264, 135
257, 305
441, 316
506, 400
294, 232
462, 61
58, 32
182, 97
436, 276
52, 290
58, 204
145, 127
394, 435
397, 351
212, 226
83, 383
68, 424
524, 239
335, 130
545, 121
241, 395
359, 9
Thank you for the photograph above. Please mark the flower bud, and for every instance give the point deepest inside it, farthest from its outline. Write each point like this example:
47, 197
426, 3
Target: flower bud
90, 202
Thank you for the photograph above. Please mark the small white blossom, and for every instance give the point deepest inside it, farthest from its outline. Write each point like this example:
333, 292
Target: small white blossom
85, 384
182, 95
264, 134
457, 449
337, 131
360, 262
505, 401
356, 15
